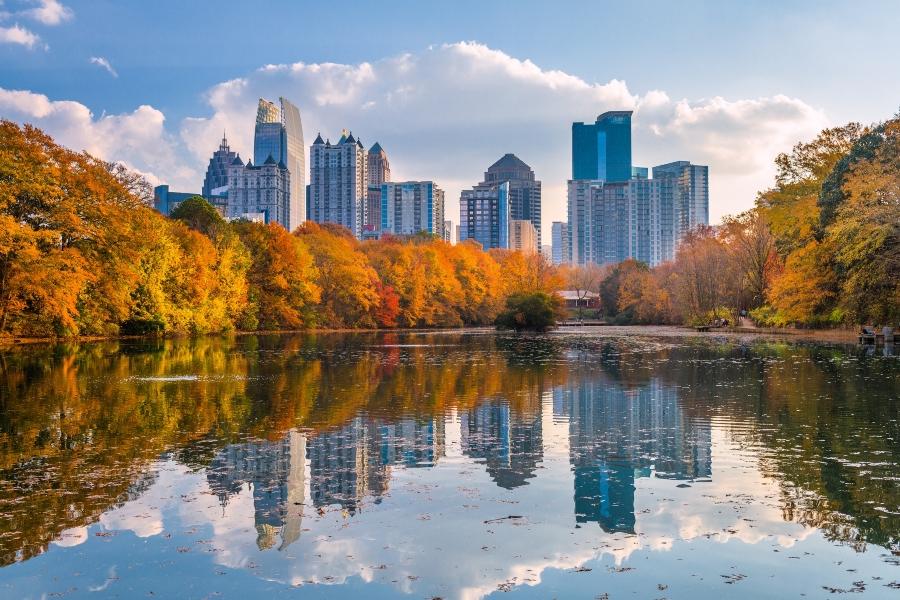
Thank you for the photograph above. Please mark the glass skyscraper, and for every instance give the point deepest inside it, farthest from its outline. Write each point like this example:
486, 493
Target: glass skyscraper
279, 134
601, 151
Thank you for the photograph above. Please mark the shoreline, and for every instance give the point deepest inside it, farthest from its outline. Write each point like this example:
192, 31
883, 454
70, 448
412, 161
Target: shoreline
844, 336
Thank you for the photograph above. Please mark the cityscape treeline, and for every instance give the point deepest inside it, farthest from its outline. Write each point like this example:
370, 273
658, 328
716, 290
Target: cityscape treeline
81, 253
820, 248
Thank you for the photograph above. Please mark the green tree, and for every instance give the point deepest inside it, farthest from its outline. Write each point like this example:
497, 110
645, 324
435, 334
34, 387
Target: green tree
533, 311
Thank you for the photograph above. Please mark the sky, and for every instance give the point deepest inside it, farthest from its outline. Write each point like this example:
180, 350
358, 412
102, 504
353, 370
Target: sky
447, 88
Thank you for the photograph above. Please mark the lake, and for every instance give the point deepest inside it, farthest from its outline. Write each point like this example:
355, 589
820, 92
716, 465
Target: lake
610, 464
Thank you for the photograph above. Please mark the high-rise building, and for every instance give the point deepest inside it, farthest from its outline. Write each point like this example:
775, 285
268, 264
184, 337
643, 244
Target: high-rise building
260, 192
692, 198
560, 243
524, 189
279, 134
522, 236
448, 231
338, 188
411, 207
610, 222
602, 150
484, 215
216, 181
378, 171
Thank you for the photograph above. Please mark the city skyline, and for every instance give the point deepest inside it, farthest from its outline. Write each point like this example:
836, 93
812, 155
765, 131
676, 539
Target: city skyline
735, 121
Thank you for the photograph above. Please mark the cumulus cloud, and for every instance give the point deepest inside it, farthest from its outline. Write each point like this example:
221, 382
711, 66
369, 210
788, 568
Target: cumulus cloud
446, 113
103, 63
49, 12
137, 139
450, 111
19, 35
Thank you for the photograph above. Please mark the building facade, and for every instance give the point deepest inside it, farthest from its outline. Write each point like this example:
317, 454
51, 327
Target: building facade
522, 236
411, 207
338, 188
692, 199
165, 201
259, 192
216, 181
524, 189
484, 215
611, 222
378, 171
560, 243
448, 231
602, 150
279, 134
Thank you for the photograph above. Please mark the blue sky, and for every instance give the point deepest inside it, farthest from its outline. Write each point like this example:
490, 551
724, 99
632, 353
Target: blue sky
779, 70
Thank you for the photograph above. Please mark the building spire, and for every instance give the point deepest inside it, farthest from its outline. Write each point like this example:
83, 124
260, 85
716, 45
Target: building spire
224, 145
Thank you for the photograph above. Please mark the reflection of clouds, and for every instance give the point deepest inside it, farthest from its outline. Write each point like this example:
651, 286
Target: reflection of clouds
71, 537
442, 531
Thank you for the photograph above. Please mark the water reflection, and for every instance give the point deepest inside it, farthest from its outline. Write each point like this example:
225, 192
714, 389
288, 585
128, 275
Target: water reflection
410, 451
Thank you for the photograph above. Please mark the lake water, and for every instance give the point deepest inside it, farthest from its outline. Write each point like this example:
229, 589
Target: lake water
450, 465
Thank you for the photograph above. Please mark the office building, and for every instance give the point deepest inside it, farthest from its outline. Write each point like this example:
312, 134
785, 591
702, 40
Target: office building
260, 192
448, 231
279, 134
378, 171
522, 236
411, 207
524, 189
560, 243
215, 183
692, 195
338, 188
602, 150
484, 215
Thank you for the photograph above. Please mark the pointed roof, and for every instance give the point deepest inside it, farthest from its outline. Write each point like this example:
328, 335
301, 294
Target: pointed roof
343, 139
281, 165
351, 139
508, 162
237, 160
376, 148
249, 163
318, 140
360, 144
270, 160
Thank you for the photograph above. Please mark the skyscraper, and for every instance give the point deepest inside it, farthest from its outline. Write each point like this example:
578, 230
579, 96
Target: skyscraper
217, 172
692, 198
522, 236
410, 207
279, 134
484, 215
524, 189
338, 187
260, 192
602, 150
560, 239
378, 171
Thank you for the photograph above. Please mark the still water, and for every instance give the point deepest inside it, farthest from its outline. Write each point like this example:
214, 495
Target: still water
450, 465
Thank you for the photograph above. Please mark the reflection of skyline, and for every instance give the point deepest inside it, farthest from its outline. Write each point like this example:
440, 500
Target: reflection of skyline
508, 442
617, 435
276, 473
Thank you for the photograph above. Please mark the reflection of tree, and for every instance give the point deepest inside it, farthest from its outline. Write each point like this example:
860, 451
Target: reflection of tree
80, 424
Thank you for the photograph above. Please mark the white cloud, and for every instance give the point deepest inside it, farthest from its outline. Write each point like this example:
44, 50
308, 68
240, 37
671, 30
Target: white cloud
446, 113
19, 35
137, 139
102, 62
49, 12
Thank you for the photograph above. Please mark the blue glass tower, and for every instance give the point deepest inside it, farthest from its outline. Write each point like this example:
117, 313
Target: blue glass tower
602, 150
